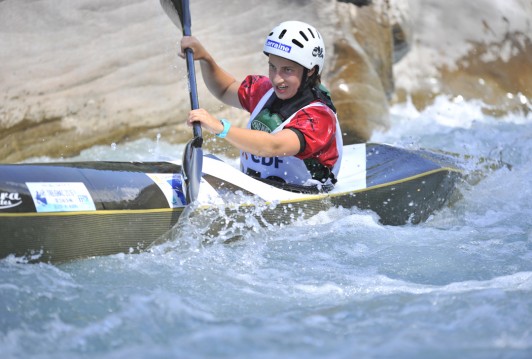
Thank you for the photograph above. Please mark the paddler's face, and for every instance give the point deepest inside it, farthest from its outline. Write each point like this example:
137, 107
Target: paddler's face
285, 76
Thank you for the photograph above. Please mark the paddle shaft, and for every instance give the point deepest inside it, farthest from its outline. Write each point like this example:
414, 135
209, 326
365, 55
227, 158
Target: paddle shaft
191, 70
179, 12
193, 154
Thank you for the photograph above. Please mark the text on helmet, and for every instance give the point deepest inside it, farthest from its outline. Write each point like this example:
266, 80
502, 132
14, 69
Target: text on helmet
278, 46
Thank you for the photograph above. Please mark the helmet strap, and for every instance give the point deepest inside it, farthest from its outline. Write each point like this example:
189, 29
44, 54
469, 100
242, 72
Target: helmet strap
304, 82
308, 82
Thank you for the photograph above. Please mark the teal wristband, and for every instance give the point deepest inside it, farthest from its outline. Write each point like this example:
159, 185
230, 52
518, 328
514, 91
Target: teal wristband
227, 126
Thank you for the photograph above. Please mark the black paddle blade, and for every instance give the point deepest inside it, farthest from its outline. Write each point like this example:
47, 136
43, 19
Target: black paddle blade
191, 168
174, 10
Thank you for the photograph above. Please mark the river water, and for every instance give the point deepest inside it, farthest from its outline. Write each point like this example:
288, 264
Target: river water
338, 285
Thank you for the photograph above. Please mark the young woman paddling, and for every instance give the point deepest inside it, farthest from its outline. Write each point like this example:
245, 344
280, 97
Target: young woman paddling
293, 134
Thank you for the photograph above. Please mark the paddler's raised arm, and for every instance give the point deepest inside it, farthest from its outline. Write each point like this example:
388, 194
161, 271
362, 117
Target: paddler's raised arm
219, 82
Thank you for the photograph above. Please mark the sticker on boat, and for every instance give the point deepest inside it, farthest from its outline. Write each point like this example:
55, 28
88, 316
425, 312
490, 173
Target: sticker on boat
9, 200
171, 184
60, 196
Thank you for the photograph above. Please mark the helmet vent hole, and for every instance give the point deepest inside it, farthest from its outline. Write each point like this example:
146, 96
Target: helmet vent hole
271, 33
282, 34
312, 33
304, 36
297, 43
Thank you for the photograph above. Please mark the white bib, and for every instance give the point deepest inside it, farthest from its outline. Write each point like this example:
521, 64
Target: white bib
290, 169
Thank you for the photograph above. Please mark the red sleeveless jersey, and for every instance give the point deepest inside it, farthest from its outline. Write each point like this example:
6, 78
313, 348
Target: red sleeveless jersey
317, 123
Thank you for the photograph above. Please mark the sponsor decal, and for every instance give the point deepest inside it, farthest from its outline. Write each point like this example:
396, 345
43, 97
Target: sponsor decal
317, 52
263, 161
267, 161
171, 184
9, 200
60, 196
260, 126
278, 46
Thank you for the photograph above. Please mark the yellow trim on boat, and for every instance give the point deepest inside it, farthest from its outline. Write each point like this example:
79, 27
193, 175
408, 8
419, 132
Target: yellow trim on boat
387, 184
97, 212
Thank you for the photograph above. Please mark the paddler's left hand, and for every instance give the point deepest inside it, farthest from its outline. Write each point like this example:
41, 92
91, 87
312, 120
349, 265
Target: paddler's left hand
207, 121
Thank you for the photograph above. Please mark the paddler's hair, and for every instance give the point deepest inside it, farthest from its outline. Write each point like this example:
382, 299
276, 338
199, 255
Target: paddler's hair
313, 80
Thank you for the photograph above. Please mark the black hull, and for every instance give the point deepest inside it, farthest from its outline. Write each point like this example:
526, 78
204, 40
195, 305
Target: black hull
131, 211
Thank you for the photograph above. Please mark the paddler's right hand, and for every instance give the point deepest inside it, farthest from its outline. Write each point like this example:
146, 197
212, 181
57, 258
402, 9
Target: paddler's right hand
207, 121
190, 42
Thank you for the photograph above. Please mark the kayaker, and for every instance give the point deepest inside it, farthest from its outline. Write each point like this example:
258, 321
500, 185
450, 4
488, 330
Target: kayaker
293, 134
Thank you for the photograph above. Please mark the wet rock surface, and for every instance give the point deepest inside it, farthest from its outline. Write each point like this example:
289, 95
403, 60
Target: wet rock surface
79, 73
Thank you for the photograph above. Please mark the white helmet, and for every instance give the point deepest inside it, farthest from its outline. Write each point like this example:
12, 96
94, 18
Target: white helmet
297, 41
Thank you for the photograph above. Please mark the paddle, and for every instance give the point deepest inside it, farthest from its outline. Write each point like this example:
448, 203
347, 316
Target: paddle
179, 12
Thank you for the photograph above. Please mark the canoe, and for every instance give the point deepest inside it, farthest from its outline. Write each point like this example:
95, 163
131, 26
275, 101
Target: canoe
57, 212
